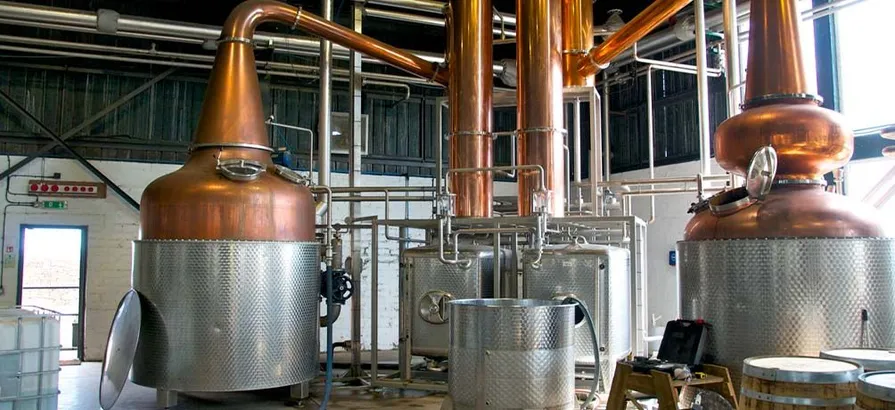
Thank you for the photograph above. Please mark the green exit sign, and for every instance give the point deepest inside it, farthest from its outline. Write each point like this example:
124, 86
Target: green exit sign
54, 204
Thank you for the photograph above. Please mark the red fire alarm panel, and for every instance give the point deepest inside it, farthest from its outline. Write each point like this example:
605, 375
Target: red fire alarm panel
79, 189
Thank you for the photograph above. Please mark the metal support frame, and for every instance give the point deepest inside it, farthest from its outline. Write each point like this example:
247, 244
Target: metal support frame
355, 85
634, 238
657, 65
86, 123
702, 89
96, 172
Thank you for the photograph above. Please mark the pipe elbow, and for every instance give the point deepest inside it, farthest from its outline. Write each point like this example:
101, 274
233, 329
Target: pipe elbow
332, 316
245, 18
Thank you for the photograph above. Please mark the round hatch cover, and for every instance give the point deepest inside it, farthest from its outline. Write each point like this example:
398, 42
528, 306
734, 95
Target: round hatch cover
120, 349
761, 172
433, 306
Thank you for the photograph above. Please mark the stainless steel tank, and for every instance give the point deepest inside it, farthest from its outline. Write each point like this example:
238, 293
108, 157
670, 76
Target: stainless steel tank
788, 296
428, 285
512, 354
600, 277
226, 315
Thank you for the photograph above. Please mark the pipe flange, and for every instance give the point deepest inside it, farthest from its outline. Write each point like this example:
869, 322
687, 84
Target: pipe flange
801, 181
230, 145
242, 40
291, 176
240, 170
783, 96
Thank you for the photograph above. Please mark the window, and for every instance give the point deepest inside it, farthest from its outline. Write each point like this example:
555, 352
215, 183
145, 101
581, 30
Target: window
869, 181
865, 62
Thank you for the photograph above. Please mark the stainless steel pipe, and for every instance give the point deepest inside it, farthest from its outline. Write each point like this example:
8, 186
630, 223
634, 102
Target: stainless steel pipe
324, 120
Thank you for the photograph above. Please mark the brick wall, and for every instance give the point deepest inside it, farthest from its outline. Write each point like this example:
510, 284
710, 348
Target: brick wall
113, 225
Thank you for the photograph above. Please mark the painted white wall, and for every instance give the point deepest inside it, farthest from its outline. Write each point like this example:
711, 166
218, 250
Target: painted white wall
113, 225
662, 237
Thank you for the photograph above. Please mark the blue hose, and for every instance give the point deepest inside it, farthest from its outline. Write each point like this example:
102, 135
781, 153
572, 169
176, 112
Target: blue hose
328, 386
598, 373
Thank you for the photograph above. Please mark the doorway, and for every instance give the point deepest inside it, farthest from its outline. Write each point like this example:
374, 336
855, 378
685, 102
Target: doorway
52, 275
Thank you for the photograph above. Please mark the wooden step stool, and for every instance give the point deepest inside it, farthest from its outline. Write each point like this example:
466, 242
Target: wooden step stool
661, 386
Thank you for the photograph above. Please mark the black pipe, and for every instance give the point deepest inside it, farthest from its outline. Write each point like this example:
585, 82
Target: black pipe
24, 113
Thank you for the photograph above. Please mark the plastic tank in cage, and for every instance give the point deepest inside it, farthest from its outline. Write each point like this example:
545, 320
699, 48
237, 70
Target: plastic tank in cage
29, 359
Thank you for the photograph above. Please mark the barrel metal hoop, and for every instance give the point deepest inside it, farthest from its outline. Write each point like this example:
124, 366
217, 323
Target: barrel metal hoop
798, 401
870, 365
873, 390
774, 374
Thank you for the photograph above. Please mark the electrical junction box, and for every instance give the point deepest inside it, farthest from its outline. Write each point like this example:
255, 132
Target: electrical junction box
69, 189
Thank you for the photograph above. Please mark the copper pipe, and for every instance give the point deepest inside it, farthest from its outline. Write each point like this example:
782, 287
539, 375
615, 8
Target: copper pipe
539, 100
577, 40
248, 15
470, 100
778, 62
641, 25
371, 47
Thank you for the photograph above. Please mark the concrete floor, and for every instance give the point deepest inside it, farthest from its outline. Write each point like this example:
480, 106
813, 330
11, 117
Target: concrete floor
79, 386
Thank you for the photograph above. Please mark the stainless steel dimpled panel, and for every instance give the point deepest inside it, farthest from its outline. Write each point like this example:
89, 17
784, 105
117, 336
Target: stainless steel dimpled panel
606, 291
512, 357
788, 296
426, 273
226, 315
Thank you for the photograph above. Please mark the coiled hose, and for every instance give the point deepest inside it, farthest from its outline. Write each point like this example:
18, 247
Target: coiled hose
328, 386
598, 372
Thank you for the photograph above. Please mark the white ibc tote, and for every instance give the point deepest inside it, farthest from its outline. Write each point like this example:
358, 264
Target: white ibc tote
29, 359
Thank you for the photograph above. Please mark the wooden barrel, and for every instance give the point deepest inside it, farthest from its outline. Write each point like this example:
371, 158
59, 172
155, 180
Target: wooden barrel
876, 391
873, 360
798, 383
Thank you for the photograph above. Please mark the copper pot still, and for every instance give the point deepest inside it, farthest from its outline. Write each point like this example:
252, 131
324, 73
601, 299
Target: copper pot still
782, 111
229, 189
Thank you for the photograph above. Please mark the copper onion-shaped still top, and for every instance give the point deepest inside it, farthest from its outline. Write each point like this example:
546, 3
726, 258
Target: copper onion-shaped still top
797, 211
810, 140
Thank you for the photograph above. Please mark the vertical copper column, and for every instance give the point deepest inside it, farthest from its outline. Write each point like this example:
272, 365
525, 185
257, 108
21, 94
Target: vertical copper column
780, 108
577, 40
470, 94
777, 62
539, 100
